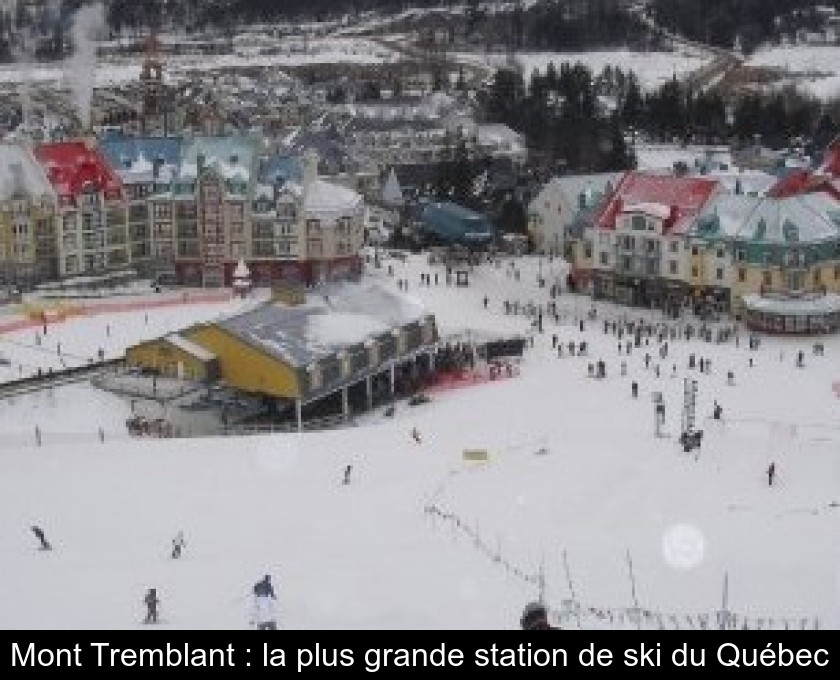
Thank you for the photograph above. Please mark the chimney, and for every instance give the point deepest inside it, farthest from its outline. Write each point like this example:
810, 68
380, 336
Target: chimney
157, 164
310, 168
675, 213
18, 183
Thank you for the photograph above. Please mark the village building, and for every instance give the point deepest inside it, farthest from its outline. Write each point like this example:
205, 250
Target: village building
28, 207
146, 166
92, 228
639, 253
341, 349
451, 224
558, 203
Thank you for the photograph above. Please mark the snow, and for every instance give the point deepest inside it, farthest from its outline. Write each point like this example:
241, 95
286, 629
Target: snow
372, 554
120, 71
190, 347
20, 171
335, 329
814, 68
326, 199
652, 68
81, 337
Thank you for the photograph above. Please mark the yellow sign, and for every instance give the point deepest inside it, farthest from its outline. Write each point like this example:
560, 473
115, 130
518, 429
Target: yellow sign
475, 455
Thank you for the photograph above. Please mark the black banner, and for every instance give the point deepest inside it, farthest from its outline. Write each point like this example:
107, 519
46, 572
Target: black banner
392, 654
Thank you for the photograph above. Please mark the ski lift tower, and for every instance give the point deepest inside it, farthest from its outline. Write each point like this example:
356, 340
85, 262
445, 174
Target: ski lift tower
658, 414
689, 436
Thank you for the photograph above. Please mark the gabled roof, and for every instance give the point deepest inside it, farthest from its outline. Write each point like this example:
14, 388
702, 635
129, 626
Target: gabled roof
72, 167
831, 162
21, 176
801, 219
803, 182
234, 157
120, 150
684, 197
341, 316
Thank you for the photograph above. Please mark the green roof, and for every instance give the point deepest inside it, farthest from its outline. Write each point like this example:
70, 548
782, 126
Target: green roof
455, 224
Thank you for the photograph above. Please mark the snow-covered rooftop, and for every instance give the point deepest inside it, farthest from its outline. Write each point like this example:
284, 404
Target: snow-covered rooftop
336, 316
21, 175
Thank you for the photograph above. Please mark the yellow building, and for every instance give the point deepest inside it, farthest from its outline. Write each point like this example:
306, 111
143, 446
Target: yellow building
28, 252
176, 357
349, 342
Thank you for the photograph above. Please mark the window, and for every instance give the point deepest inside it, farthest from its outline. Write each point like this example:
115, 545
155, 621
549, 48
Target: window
742, 274
719, 274
637, 223
695, 251
766, 279
695, 272
674, 246
672, 268
817, 277
740, 255
721, 253
837, 272
604, 259
587, 250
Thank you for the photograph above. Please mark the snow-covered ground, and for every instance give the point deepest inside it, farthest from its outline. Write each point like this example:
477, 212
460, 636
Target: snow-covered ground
423, 539
77, 340
813, 68
119, 71
652, 68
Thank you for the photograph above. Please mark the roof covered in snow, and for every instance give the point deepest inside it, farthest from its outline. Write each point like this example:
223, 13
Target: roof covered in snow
793, 306
20, 174
233, 157
809, 218
134, 158
189, 347
335, 317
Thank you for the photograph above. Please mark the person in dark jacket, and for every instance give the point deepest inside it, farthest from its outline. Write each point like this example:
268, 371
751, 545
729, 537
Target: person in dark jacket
535, 617
39, 534
264, 588
151, 601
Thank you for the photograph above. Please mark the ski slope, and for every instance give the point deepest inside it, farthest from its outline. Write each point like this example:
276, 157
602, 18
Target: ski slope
422, 538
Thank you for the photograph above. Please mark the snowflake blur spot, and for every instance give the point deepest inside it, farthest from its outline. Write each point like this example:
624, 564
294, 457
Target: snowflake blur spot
683, 546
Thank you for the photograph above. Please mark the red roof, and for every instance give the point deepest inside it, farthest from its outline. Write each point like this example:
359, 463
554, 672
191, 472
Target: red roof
73, 167
684, 198
803, 182
831, 164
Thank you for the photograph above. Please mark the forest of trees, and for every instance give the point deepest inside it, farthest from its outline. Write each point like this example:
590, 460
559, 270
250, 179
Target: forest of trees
746, 23
561, 118
578, 121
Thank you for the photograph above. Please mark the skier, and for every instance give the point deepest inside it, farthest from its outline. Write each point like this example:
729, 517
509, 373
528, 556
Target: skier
151, 601
717, 412
771, 474
634, 388
535, 617
486, 300
264, 616
415, 434
178, 545
347, 472
39, 534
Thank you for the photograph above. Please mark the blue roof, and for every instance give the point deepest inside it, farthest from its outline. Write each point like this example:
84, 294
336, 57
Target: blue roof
280, 169
119, 149
455, 224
